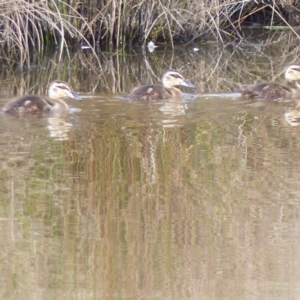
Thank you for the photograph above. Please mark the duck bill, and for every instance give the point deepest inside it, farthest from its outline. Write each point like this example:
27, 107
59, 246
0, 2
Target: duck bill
187, 83
74, 95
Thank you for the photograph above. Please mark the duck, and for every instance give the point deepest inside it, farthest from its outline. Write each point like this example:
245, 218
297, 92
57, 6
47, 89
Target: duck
33, 104
275, 91
167, 90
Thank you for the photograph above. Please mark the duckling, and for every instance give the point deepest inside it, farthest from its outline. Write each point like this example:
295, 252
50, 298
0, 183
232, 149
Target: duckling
168, 90
32, 104
275, 91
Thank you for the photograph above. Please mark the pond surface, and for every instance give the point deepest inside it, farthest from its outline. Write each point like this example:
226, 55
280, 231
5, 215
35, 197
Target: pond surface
191, 199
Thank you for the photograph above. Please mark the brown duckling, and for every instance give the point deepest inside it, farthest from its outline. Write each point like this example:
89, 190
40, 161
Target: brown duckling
271, 90
168, 90
32, 104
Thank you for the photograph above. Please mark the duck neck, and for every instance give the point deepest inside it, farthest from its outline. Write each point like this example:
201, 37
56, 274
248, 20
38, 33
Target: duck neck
176, 93
294, 85
59, 105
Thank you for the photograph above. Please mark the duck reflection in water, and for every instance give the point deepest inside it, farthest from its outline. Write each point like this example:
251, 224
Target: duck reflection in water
173, 107
59, 128
32, 104
275, 91
168, 89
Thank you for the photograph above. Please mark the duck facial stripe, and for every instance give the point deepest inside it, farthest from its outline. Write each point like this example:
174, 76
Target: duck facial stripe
176, 75
63, 87
294, 67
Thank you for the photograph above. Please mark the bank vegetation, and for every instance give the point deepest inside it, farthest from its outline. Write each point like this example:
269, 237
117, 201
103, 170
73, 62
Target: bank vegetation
38, 24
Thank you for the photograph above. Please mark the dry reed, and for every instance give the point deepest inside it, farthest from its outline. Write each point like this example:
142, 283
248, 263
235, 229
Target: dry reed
27, 25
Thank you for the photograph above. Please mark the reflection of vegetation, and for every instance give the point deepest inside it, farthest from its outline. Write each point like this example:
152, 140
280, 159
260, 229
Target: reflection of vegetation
210, 69
124, 196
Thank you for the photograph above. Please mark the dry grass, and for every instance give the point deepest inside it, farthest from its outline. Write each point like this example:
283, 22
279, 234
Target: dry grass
32, 25
177, 20
27, 25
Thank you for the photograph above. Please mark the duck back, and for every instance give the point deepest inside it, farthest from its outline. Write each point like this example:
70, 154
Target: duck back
265, 91
28, 105
153, 92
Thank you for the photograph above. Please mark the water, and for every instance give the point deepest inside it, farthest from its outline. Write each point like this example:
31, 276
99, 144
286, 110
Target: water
192, 199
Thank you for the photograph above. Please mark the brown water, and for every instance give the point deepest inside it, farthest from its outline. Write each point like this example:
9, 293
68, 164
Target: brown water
192, 199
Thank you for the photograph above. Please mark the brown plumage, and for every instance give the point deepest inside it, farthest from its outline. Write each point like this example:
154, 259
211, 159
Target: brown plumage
32, 104
168, 90
275, 91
